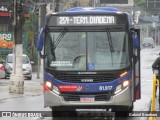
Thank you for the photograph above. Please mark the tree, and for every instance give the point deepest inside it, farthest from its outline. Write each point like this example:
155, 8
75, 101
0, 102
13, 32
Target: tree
74, 3
31, 29
140, 2
143, 4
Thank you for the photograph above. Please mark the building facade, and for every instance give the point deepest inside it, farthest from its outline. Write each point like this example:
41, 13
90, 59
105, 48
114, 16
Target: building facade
6, 27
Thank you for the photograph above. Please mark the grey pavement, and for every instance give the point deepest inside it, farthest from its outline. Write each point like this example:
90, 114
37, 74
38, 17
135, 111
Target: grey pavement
157, 104
31, 88
157, 107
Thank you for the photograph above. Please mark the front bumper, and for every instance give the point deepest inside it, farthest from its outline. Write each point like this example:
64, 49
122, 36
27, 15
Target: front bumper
122, 98
25, 73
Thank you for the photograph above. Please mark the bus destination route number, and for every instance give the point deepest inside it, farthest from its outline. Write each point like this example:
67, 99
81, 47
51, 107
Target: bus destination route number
85, 20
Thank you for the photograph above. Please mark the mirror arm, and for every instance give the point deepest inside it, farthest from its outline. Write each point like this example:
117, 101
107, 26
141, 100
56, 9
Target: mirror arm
41, 56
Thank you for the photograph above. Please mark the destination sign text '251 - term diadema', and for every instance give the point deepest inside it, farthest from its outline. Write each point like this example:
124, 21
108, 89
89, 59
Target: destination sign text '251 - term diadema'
85, 20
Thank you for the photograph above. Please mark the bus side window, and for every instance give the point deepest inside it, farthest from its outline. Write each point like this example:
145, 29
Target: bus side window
49, 52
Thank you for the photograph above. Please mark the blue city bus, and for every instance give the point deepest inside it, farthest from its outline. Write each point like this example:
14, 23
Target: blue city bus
91, 60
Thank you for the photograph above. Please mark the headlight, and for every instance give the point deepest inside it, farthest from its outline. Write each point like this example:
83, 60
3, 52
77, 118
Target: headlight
118, 88
125, 83
9, 69
52, 87
121, 86
49, 84
56, 90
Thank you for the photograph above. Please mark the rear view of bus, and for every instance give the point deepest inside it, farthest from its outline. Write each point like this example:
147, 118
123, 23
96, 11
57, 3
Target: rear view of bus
90, 60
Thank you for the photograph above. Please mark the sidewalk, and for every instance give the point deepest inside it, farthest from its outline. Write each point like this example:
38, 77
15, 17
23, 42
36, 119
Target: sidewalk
31, 88
157, 109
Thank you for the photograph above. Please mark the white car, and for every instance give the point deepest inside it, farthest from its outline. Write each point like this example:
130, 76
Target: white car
148, 42
26, 66
2, 72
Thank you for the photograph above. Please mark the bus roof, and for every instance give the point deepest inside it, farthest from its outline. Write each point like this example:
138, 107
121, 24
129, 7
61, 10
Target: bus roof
87, 10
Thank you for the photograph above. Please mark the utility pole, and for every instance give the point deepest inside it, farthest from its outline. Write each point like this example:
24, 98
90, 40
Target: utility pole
75, 4
55, 6
94, 3
41, 21
16, 84
39, 27
133, 19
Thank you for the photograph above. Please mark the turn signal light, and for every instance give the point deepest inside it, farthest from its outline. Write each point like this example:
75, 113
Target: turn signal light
123, 73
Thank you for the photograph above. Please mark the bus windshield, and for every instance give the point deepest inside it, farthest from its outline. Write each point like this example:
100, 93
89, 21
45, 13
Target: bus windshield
97, 50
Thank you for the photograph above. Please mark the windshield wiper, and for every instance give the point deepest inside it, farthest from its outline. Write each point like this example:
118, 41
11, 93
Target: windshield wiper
59, 38
110, 40
78, 57
110, 43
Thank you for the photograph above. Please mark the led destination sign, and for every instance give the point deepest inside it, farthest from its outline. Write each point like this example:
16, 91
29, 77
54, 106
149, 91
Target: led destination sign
85, 20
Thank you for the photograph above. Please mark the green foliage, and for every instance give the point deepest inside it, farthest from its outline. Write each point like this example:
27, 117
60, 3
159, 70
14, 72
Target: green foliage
140, 2
31, 28
143, 4
2, 58
70, 3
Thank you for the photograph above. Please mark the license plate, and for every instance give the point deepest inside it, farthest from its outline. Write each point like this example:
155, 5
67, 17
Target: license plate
87, 99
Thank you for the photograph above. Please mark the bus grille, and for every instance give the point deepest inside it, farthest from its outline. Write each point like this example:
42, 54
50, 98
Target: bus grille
98, 97
94, 78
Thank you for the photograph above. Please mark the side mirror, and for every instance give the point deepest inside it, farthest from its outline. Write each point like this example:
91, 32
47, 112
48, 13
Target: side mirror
136, 41
32, 62
40, 41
